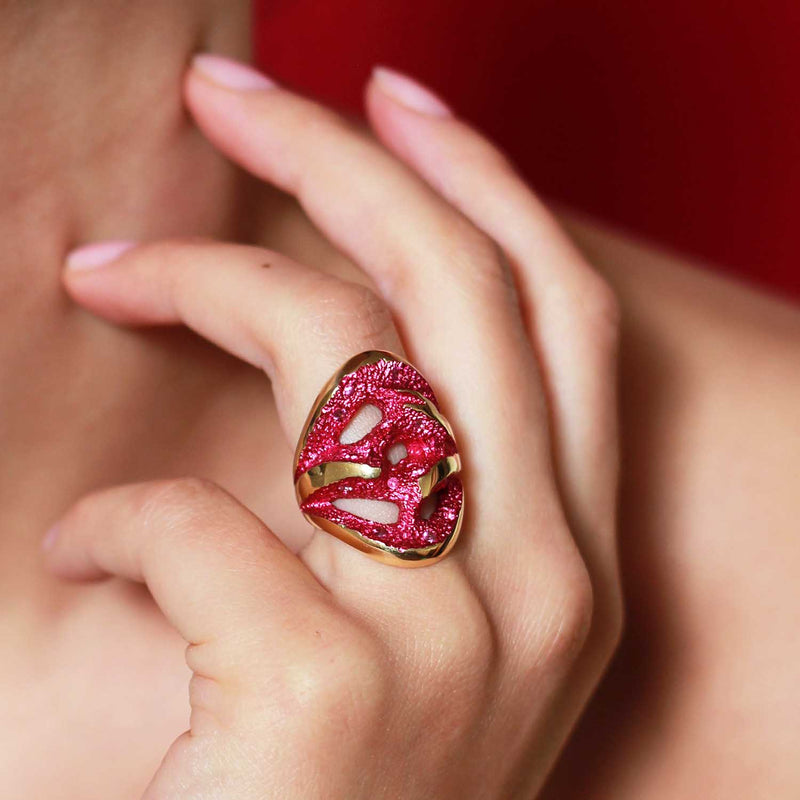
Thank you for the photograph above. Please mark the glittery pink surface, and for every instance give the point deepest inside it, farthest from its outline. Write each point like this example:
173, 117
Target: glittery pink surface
384, 384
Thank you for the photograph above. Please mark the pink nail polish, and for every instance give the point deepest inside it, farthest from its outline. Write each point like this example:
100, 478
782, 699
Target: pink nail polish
409, 93
97, 254
231, 74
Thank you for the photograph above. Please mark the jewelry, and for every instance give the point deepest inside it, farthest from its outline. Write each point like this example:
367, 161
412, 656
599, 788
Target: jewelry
409, 458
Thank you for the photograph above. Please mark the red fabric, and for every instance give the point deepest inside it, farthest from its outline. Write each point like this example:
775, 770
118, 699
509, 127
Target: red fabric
679, 120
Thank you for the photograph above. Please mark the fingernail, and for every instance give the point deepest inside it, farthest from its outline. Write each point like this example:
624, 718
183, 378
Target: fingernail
50, 538
231, 74
95, 255
409, 93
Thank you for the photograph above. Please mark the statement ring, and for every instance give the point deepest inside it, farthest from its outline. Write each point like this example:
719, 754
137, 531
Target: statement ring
375, 439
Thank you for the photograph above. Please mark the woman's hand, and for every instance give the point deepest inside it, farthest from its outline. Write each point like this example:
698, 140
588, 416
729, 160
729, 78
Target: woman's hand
324, 674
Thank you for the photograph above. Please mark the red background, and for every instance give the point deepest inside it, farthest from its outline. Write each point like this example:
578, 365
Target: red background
679, 120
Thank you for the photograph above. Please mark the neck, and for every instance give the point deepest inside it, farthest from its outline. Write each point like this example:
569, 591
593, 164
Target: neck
95, 143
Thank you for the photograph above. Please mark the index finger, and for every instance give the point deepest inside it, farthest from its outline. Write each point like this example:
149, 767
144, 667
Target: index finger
212, 566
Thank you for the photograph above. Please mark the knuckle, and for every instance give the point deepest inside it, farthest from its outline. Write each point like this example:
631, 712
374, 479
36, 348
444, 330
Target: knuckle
344, 675
319, 120
355, 311
179, 493
479, 157
556, 621
319, 124
462, 643
181, 503
451, 658
572, 613
476, 260
190, 512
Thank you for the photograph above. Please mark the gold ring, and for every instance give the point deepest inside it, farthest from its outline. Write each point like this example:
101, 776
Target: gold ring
405, 464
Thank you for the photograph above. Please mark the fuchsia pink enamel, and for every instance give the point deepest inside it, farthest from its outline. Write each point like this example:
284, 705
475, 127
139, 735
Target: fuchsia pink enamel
410, 416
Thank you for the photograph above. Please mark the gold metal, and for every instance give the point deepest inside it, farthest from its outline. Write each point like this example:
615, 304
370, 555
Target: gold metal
431, 480
325, 474
333, 471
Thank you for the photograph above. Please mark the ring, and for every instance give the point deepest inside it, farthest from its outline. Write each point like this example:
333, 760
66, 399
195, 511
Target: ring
406, 464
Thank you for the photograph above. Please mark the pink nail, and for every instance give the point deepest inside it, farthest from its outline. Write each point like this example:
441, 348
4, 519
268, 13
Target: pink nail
231, 74
409, 93
95, 255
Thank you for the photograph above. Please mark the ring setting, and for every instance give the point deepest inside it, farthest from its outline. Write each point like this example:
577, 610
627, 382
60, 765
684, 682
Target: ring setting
408, 461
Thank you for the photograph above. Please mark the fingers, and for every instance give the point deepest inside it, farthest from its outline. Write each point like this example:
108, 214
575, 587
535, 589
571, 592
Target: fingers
214, 569
570, 311
296, 323
445, 282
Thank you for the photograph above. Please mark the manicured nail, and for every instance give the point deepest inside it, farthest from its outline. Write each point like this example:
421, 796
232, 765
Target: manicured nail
91, 256
231, 74
409, 93
50, 538
95, 255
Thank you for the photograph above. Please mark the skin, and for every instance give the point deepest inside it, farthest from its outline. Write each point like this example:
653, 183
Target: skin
702, 696
97, 405
294, 676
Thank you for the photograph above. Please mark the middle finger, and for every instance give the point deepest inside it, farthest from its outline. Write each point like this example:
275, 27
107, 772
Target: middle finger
446, 282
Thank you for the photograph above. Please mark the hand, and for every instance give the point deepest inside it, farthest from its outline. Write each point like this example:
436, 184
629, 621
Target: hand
325, 674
